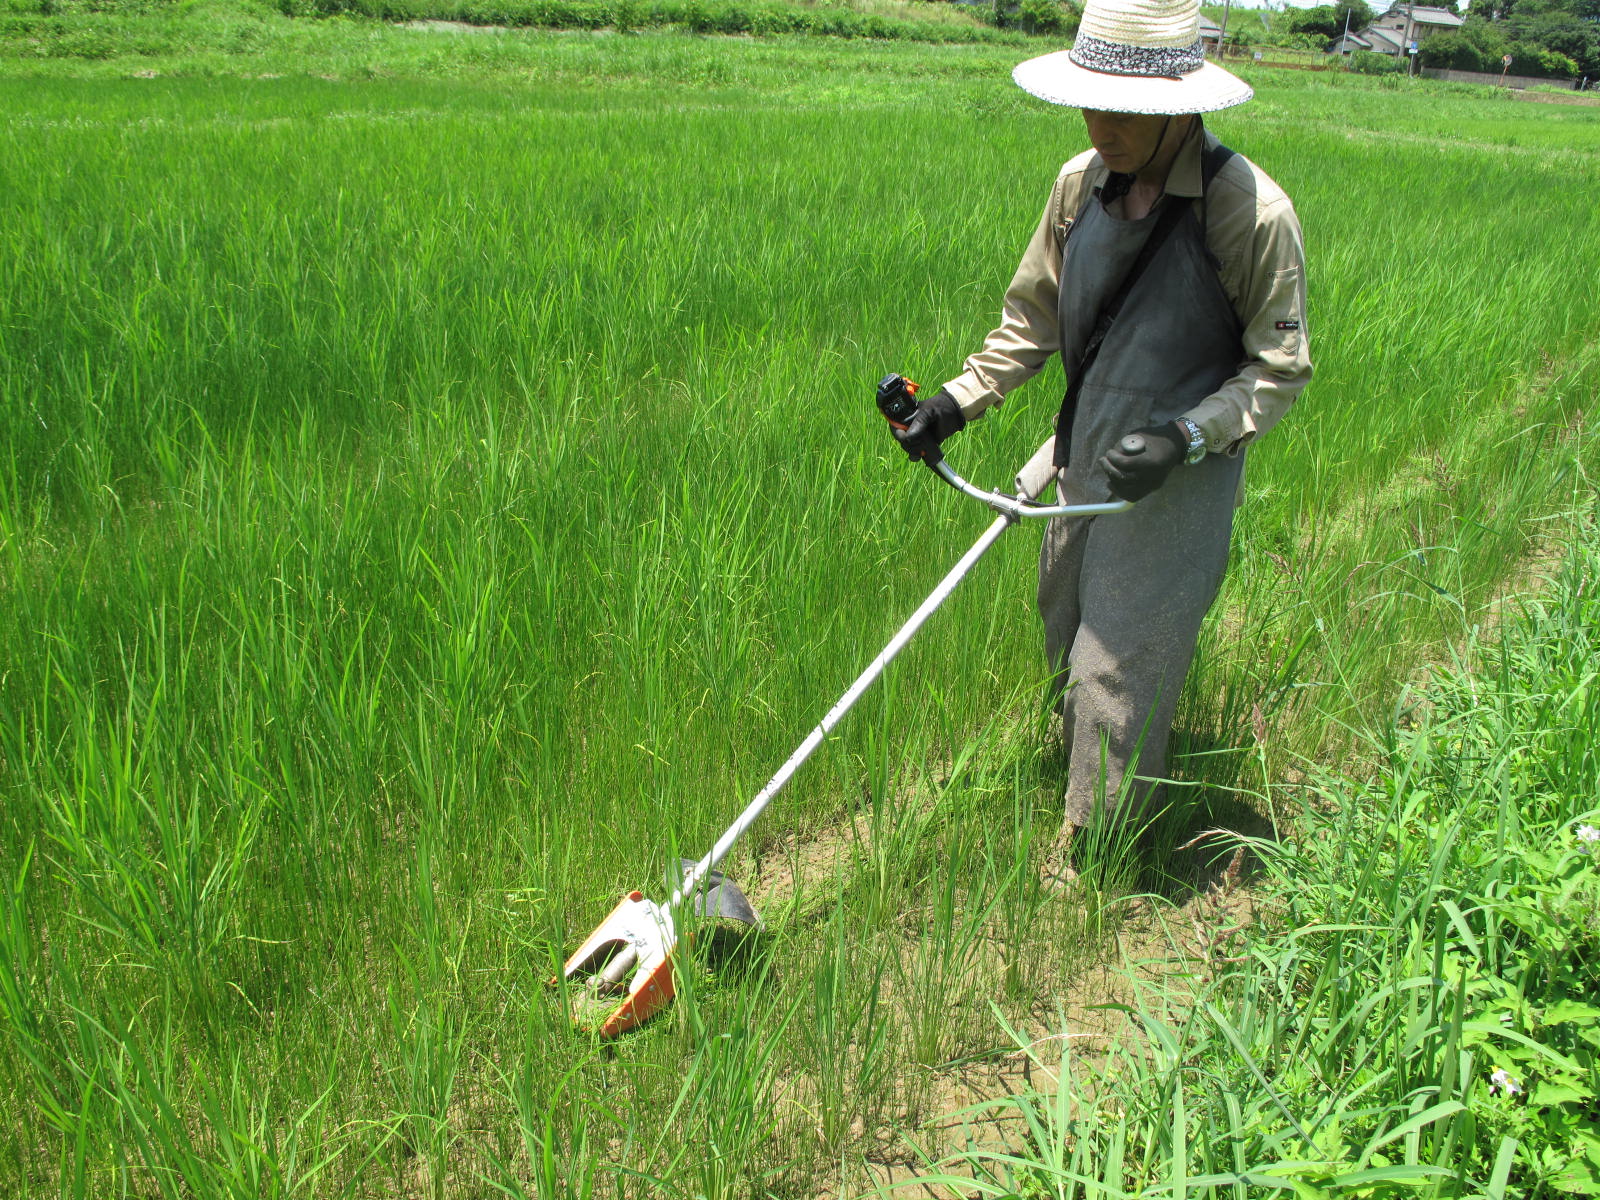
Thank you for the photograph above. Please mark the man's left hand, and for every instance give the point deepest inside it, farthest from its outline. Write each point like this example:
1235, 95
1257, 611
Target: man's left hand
1135, 476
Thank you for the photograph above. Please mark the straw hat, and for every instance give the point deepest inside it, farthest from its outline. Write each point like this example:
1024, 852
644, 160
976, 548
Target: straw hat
1134, 56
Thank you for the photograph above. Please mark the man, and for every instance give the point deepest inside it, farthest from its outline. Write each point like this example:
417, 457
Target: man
1168, 272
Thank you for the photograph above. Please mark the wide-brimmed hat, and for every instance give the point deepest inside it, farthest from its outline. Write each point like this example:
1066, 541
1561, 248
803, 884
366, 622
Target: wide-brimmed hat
1134, 56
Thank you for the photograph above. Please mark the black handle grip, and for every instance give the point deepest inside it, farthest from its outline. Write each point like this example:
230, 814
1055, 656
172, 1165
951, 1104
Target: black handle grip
897, 401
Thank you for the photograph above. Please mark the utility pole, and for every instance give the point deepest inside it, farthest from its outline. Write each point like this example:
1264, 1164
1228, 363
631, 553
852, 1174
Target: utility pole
1222, 38
1411, 29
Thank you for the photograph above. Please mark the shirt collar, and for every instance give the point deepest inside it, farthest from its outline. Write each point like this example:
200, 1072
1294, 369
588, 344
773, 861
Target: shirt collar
1185, 176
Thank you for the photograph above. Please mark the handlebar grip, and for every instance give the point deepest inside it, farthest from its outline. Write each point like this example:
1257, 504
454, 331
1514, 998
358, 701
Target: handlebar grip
1132, 445
897, 400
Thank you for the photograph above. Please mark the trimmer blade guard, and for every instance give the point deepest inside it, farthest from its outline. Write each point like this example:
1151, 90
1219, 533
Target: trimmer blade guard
715, 895
637, 936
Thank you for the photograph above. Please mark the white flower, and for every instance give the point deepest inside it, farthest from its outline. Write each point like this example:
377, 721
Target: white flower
1503, 1079
1587, 833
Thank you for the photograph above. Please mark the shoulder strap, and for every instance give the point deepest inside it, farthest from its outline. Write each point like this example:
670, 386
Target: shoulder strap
1211, 162
1067, 226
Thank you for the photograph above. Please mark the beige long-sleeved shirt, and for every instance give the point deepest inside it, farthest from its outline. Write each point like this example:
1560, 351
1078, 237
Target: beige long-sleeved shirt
1252, 229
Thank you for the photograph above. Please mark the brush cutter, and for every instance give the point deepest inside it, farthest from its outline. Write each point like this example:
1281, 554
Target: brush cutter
630, 955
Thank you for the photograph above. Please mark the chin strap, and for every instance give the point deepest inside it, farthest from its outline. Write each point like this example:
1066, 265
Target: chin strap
1165, 126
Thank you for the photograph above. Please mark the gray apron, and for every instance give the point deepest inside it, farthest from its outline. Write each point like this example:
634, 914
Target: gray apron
1122, 596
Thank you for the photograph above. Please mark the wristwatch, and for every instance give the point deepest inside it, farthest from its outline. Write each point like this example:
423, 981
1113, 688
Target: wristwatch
1197, 441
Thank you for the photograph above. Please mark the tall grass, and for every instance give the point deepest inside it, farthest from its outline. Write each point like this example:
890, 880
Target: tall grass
1417, 1014
192, 36
428, 507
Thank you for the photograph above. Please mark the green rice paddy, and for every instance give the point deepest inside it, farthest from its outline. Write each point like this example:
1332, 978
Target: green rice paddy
439, 483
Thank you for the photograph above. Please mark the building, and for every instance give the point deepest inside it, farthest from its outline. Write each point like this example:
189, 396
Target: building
1409, 22
1424, 22
1383, 41
1387, 33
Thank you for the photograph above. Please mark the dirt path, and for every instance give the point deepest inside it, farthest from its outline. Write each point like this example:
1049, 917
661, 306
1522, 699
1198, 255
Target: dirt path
1153, 946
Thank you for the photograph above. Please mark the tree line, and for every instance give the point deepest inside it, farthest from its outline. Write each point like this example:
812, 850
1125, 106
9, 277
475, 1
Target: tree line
1548, 38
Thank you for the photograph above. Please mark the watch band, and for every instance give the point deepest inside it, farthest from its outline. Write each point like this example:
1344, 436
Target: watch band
1197, 441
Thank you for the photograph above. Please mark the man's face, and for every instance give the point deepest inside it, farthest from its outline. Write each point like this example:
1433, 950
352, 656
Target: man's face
1126, 141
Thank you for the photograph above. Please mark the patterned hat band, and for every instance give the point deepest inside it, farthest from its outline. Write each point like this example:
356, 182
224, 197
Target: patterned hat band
1119, 58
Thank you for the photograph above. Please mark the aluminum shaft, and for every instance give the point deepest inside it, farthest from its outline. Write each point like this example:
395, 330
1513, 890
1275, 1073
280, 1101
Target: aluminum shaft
835, 714
1011, 509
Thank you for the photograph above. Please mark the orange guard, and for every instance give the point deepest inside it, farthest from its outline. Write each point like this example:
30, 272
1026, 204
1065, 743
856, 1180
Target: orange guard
640, 928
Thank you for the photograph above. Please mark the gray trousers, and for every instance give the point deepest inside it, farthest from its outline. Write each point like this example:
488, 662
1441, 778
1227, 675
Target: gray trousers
1122, 598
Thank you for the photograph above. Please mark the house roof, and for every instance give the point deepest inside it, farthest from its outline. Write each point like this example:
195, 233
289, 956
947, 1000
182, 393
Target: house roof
1382, 40
1209, 28
1421, 15
1351, 41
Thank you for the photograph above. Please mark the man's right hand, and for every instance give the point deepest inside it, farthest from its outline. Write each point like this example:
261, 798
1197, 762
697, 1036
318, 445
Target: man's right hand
1157, 451
936, 418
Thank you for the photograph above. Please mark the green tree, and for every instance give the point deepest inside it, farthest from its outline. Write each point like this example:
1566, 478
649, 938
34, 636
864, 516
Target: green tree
1327, 21
1047, 16
1308, 20
1451, 52
1530, 58
1480, 46
1560, 32
1501, 10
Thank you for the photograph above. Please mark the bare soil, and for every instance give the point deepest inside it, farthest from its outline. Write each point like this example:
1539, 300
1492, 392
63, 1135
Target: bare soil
1173, 941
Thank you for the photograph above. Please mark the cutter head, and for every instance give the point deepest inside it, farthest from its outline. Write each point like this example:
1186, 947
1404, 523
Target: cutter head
630, 953
637, 936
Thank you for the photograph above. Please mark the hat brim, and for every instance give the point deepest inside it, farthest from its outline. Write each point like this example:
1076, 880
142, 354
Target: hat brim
1056, 78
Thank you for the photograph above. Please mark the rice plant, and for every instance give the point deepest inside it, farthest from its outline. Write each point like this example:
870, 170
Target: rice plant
435, 497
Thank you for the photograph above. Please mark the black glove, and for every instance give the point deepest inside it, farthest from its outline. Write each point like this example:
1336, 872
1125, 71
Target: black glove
936, 418
1135, 475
